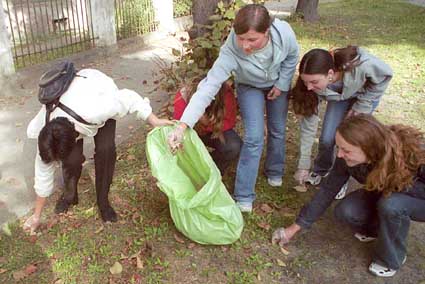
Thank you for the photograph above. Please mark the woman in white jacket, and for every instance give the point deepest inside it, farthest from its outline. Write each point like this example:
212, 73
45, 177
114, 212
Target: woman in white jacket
94, 97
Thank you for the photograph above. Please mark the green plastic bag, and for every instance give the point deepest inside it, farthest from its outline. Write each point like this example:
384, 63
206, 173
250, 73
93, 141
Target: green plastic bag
200, 205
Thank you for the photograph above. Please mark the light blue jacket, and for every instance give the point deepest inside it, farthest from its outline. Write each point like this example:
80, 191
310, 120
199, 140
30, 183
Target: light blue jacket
246, 70
367, 83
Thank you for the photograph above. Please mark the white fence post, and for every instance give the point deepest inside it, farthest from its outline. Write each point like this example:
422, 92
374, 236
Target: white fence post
164, 15
7, 66
103, 18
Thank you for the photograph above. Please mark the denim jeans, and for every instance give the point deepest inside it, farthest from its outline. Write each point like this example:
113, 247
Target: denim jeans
388, 218
335, 113
252, 102
224, 153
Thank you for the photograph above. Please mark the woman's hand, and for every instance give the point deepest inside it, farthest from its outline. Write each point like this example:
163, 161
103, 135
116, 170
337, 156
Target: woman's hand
350, 113
31, 224
282, 236
175, 137
274, 93
155, 121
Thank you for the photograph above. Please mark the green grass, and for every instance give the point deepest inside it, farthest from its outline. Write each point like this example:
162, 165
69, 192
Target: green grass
79, 248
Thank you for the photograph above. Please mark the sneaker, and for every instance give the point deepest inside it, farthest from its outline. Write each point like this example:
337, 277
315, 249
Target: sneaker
244, 206
275, 182
364, 238
382, 271
313, 178
342, 192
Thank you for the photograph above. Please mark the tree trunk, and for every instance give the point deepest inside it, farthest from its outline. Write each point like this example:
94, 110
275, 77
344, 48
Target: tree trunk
308, 9
201, 11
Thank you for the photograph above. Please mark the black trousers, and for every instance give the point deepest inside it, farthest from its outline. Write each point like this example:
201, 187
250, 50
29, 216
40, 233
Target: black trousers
104, 160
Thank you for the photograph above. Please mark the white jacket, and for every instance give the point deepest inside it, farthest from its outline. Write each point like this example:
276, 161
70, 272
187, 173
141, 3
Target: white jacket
96, 98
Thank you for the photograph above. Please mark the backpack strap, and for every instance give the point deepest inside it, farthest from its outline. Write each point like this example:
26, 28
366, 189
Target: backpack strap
73, 114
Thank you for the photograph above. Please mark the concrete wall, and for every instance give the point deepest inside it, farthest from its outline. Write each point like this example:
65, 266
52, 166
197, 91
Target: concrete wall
164, 15
6, 58
103, 17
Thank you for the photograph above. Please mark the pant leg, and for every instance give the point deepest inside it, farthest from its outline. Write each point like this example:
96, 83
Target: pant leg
277, 111
335, 113
251, 104
104, 159
358, 210
395, 213
224, 153
71, 172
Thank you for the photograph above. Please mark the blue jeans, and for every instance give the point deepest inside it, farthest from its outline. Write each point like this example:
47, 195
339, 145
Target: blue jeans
388, 218
335, 113
224, 153
251, 103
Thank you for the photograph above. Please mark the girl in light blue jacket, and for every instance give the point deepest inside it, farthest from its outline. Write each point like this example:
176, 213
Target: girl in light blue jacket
352, 81
261, 54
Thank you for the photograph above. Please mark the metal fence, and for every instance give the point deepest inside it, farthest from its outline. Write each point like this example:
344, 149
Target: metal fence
42, 30
134, 17
182, 8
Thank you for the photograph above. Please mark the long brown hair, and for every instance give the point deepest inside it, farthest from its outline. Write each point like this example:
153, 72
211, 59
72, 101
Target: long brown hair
395, 152
215, 111
320, 61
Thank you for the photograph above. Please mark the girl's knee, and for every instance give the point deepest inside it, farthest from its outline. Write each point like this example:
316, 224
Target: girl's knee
391, 205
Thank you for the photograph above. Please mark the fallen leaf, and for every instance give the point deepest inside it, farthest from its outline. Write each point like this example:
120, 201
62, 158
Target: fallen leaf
99, 230
30, 269
158, 267
6, 230
280, 263
284, 251
116, 268
300, 188
2, 270
51, 223
266, 208
19, 275
178, 239
191, 245
32, 239
264, 225
131, 157
139, 263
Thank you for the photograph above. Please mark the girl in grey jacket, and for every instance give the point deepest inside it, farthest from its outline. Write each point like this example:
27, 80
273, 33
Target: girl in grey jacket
261, 54
352, 81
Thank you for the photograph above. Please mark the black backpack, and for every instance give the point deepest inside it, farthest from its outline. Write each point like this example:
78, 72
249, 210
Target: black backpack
53, 84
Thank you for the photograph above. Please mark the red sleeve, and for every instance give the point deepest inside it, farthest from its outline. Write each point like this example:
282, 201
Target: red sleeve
230, 110
179, 106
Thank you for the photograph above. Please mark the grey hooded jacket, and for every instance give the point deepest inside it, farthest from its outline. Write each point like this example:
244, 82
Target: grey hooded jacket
366, 83
246, 70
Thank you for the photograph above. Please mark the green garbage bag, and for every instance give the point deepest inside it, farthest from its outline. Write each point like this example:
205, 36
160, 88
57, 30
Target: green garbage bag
200, 205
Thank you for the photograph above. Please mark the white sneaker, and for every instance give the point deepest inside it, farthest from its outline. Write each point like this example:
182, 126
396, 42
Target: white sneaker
313, 178
382, 271
364, 238
244, 206
275, 182
342, 192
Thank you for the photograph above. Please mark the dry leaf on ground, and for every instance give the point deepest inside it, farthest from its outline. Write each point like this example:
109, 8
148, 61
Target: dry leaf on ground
116, 268
300, 188
266, 208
